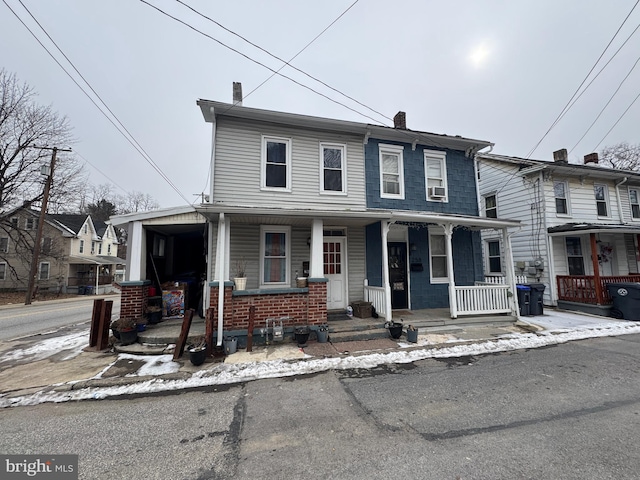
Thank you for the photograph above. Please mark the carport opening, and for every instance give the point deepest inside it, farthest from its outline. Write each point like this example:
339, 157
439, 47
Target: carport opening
177, 253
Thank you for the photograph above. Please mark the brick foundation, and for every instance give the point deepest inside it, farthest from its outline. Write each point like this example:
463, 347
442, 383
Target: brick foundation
134, 297
303, 306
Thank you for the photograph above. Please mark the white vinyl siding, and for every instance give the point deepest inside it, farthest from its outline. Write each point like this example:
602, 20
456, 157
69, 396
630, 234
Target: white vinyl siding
333, 169
237, 176
435, 167
391, 171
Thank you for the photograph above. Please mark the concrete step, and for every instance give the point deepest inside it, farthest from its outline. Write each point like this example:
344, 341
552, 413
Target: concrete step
354, 335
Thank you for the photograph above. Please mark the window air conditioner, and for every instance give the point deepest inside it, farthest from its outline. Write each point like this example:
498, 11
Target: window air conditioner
437, 192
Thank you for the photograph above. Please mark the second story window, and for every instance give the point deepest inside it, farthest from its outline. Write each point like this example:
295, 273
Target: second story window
601, 195
93, 248
276, 163
81, 250
560, 193
100, 249
14, 222
435, 168
4, 244
109, 249
29, 224
634, 200
391, 171
332, 176
491, 206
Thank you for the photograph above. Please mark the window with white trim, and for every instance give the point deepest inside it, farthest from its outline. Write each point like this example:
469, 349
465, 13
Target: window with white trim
4, 244
86, 229
602, 199
494, 260
275, 255
109, 249
29, 223
391, 171
276, 163
332, 168
491, 206
43, 271
3, 271
100, 248
438, 256
14, 222
81, 249
634, 200
93, 248
435, 167
561, 194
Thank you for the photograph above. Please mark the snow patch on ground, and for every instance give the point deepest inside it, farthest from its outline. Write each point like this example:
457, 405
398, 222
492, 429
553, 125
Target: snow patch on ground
72, 344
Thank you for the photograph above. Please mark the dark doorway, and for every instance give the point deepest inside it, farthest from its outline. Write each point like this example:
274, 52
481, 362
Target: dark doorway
398, 275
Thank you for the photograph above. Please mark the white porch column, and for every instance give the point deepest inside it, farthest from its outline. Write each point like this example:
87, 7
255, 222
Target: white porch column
136, 256
453, 303
221, 262
510, 277
388, 315
316, 269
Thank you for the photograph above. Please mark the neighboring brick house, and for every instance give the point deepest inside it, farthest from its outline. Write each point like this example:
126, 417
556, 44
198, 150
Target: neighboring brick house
300, 196
76, 252
580, 225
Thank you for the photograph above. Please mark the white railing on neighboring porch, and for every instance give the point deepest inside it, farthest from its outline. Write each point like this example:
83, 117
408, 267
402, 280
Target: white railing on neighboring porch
492, 280
376, 296
482, 299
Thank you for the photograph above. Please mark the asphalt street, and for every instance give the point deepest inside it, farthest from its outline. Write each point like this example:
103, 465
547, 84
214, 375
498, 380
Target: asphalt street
570, 411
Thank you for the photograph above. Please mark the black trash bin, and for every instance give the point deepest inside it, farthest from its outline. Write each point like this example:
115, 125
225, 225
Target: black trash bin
524, 299
536, 307
80, 290
626, 300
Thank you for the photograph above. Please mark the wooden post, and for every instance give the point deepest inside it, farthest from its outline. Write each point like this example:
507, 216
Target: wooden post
100, 323
252, 319
596, 269
94, 332
184, 334
208, 328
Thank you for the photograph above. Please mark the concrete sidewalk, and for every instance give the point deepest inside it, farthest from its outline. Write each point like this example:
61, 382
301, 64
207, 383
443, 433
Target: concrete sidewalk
56, 363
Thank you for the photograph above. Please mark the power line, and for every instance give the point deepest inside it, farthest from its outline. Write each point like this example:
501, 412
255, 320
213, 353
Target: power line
101, 172
567, 106
132, 139
617, 121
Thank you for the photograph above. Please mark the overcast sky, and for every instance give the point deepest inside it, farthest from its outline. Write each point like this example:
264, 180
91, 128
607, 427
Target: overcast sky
496, 70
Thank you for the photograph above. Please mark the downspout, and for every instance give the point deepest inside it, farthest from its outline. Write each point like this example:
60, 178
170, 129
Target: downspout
553, 291
620, 212
220, 267
213, 153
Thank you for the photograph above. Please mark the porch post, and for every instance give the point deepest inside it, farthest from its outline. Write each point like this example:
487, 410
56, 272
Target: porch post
221, 261
388, 315
453, 303
316, 266
136, 256
508, 259
596, 269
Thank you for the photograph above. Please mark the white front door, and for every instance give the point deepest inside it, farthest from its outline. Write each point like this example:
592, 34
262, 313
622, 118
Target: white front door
607, 256
334, 254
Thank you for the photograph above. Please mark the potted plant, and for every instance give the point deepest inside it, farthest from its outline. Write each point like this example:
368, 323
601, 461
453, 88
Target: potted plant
241, 274
198, 351
395, 329
154, 314
127, 330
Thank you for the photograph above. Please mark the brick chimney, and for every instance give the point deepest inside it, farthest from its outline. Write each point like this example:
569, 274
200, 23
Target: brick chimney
400, 120
561, 156
591, 158
237, 93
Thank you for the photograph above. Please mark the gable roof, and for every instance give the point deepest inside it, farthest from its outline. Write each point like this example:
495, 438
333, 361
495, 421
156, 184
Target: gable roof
211, 109
73, 221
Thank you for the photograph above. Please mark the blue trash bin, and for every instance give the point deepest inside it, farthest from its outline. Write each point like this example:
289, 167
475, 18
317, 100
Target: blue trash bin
88, 290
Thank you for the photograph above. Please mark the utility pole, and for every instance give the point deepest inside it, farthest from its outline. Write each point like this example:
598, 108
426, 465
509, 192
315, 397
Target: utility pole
43, 209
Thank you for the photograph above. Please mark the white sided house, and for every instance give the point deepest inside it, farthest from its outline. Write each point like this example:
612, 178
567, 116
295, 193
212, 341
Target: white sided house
580, 225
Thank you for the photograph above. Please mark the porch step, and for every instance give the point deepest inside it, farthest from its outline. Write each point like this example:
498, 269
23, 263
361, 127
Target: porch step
355, 335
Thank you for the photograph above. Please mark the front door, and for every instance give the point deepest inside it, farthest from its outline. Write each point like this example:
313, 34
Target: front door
398, 275
334, 261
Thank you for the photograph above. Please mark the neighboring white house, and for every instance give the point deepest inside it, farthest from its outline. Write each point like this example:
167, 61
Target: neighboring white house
568, 211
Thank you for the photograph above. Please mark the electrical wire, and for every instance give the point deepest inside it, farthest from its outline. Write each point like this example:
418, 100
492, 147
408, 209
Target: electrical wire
132, 139
617, 121
100, 171
567, 106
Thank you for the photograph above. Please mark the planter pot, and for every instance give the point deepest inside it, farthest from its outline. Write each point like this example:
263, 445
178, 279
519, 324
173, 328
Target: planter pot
395, 330
241, 283
116, 333
197, 356
230, 345
127, 337
412, 336
302, 335
154, 317
301, 282
322, 334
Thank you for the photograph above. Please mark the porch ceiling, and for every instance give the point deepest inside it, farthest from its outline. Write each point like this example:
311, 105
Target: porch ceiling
583, 228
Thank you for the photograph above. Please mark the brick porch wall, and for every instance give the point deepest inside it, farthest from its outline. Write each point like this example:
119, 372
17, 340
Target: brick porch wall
134, 297
302, 308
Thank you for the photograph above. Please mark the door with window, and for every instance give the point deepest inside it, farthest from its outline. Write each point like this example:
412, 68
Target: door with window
334, 254
398, 275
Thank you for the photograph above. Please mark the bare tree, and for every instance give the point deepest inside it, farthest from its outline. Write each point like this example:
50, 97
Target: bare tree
621, 156
136, 202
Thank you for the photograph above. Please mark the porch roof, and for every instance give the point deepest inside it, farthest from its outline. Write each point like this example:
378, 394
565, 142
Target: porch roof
97, 260
560, 230
363, 217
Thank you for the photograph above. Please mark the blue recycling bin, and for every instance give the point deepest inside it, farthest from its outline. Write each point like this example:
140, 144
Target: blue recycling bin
88, 290
524, 299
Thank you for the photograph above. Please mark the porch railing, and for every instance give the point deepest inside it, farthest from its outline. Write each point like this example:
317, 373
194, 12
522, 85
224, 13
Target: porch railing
492, 280
482, 299
84, 281
376, 296
582, 288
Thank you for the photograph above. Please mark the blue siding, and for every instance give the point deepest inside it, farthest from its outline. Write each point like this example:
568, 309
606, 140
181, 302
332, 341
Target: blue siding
460, 179
374, 254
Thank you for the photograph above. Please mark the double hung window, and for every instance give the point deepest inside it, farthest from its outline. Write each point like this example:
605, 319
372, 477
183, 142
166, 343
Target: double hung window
438, 256
634, 200
435, 168
602, 202
275, 251
490, 206
391, 171
276, 163
43, 272
493, 256
332, 165
560, 194
574, 256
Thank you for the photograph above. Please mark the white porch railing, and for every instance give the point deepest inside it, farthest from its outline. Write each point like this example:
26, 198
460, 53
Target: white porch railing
492, 280
482, 299
376, 296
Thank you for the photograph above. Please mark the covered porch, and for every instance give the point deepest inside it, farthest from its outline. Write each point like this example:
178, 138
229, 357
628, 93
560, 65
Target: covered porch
92, 274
